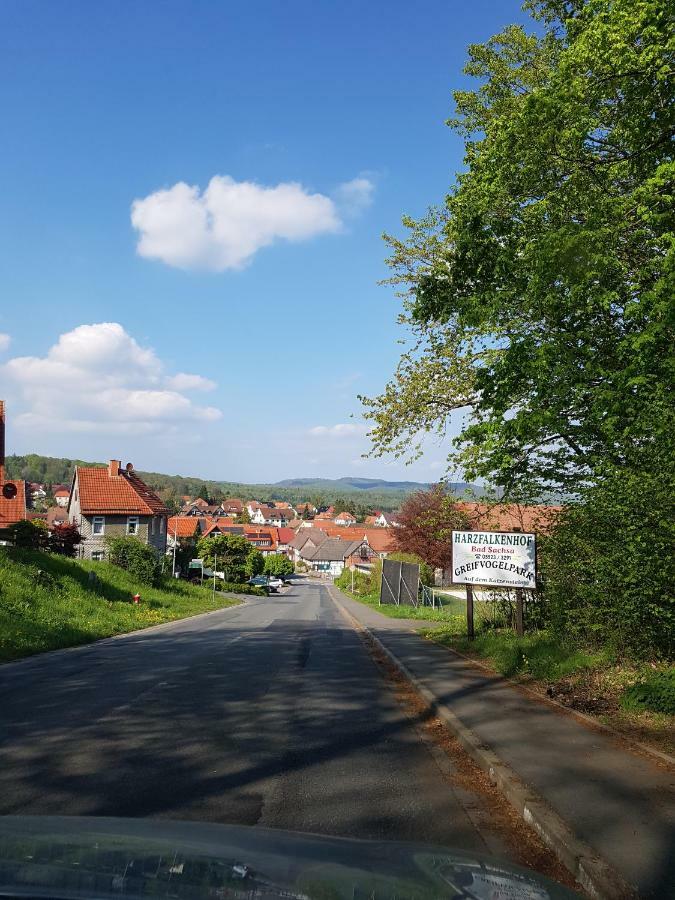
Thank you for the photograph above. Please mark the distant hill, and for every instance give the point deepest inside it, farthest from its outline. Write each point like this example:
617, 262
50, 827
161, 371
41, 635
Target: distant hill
370, 484
365, 493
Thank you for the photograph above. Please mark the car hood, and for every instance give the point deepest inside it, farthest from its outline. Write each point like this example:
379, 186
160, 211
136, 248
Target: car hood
74, 857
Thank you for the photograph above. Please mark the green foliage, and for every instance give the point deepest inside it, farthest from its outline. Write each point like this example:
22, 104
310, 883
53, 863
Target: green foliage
655, 693
541, 295
72, 602
227, 553
278, 564
235, 588
28, 534
609, 568
138, 559
203, 493
255, 563
541, 655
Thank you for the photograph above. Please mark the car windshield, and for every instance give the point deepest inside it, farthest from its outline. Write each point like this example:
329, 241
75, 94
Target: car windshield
336, 453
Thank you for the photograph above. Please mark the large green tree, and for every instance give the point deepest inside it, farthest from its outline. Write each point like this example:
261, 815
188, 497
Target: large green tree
540, 294
227, 553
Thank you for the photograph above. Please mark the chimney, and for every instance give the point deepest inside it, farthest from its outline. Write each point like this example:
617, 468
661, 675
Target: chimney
114, 467
2, 441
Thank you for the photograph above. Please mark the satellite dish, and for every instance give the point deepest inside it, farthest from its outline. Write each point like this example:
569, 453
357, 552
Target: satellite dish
129, 467
9, 491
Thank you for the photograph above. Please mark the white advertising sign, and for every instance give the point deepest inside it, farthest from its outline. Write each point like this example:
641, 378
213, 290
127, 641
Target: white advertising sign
494, 558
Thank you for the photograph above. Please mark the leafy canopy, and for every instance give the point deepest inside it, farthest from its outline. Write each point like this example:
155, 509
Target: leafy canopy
540, 294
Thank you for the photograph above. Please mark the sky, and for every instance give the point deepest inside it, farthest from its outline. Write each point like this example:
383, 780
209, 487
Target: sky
192, 198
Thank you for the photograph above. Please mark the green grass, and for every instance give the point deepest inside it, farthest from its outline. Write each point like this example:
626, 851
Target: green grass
48, 601
537, 654
655, 692
452, 608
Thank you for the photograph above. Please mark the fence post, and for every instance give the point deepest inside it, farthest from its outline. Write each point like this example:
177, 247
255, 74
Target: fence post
469, 612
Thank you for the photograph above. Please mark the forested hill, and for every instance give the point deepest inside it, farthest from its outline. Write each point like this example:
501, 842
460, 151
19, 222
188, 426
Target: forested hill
362, 492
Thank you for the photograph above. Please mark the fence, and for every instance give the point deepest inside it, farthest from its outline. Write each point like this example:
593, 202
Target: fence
400, 583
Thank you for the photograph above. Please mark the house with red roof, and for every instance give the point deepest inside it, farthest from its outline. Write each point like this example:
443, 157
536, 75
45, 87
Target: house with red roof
109, 501
345, 518
61, 496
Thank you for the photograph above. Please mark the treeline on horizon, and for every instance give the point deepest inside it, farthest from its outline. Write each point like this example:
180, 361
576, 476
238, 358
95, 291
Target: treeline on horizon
171, 488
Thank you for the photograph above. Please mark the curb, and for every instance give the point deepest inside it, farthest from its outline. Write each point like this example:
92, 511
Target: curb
589, 869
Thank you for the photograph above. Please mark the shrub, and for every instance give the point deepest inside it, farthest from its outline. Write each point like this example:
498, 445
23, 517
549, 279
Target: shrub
608, 566
28, 534
64, 539
137, 558
278, 564
233, 588
656, 693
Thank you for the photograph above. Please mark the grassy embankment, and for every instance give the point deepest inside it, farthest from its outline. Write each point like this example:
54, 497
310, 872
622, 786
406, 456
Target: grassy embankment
48, 601
636, 698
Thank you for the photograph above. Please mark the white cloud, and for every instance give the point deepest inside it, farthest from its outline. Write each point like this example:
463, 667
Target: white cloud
355, 196
98, 378
224, 226
184, 382
5, 341
341, 430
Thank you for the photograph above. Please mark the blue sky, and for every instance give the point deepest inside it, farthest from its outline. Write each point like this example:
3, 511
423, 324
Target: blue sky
268, 146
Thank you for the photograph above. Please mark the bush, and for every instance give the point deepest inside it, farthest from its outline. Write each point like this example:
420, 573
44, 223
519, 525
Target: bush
138, 559
278, 564
28, 534
608, 567
655, 693
234, 588
64, 539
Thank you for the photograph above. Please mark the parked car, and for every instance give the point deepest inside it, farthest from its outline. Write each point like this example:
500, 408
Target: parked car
263, 581
274, 582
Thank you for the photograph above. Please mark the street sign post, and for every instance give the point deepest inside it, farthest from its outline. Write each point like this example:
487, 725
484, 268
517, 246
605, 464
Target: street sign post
494, 559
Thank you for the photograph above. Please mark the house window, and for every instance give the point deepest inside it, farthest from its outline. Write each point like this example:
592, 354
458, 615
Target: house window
98, 525
161, 525
97, 555
132, 524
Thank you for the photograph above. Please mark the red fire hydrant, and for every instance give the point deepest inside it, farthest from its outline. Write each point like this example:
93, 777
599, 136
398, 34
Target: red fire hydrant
137, 598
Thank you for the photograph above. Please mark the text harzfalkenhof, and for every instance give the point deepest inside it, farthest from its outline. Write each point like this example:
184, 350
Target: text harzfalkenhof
494, 559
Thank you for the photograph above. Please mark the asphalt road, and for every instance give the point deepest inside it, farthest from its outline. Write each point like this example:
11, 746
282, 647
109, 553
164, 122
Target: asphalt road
272, 714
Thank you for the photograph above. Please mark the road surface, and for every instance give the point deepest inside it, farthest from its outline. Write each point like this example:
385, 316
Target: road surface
271, 713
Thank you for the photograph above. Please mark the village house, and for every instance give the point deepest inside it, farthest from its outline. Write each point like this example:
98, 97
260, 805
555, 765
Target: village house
110, 502
345, 518
330, 557
15, 499
61, 495
269, 515
386, 520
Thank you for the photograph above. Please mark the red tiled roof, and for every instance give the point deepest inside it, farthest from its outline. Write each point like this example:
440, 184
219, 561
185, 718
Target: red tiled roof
13, 510
286, 535
507, 516
182, 526
124, 493
62, 492
347, 516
